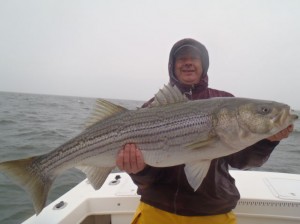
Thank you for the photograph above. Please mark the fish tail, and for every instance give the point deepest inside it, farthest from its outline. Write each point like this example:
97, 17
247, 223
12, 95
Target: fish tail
21, 172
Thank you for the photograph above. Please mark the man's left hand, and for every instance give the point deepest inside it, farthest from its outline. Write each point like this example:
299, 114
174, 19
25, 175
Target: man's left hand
282, 134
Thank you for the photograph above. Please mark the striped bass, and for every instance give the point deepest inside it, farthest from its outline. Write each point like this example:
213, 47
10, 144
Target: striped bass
172, 131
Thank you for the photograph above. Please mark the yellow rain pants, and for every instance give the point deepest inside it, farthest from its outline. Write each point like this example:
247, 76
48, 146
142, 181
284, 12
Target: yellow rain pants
146, 214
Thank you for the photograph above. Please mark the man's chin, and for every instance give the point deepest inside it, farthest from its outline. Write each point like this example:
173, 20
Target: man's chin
190, 80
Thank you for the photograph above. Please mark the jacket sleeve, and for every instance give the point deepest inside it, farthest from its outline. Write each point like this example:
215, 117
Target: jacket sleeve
253, 156
151, 175
145, 177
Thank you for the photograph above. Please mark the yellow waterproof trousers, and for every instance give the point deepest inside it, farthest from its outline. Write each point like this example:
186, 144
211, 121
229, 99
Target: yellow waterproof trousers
146, 214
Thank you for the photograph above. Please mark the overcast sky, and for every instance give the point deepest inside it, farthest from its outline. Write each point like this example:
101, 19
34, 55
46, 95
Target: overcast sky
119, 48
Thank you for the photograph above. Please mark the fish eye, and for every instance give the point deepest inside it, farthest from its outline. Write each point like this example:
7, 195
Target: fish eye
264, 110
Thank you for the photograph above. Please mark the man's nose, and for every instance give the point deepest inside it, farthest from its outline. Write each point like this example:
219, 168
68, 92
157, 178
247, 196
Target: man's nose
188, 64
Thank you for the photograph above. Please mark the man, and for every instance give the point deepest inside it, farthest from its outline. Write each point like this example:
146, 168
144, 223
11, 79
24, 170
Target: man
166, 196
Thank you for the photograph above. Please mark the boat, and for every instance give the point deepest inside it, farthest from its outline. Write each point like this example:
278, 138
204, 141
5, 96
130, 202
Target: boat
266, 197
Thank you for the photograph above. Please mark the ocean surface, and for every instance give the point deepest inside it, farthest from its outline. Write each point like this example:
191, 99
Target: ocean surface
33, 124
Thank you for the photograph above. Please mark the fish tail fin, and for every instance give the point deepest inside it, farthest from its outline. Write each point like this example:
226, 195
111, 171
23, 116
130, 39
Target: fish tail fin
21, 172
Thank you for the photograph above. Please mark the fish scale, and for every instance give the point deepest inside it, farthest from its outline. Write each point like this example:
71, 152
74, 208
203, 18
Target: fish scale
178, 127
172, 131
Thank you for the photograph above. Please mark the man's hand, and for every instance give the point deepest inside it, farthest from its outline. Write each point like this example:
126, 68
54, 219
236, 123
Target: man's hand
282, 134
130, 159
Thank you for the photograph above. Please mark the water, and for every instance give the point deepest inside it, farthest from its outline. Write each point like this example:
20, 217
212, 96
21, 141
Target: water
36, 124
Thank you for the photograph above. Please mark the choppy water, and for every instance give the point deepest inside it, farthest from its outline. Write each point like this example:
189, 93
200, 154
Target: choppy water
36, 124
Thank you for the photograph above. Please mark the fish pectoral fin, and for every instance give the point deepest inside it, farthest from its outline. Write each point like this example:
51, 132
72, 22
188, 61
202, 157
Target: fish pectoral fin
200, 143
96, 175
196, 171
22, 172
103, 109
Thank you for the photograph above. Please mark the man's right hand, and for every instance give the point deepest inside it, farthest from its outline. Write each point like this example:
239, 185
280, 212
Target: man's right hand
130, 159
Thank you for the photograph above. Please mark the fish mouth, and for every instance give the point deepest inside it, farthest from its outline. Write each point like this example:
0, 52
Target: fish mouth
294, 117
285, 117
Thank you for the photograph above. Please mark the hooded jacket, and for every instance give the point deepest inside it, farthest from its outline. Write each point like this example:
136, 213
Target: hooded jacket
168, 189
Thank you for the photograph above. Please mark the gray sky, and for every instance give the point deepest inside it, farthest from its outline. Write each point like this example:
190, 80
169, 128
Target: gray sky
119, 48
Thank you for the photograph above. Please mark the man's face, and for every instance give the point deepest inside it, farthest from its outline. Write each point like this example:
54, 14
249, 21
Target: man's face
188, 68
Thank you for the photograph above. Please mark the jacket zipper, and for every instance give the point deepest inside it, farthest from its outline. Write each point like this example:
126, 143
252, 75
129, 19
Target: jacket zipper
176, 193
190, 93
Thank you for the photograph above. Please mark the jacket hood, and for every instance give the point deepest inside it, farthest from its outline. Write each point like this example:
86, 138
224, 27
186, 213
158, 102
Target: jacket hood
203, 84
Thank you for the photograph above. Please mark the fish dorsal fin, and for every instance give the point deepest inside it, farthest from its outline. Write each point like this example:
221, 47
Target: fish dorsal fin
103, 109
168, 95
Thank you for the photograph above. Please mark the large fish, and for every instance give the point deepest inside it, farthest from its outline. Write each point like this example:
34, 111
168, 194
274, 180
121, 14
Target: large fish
172, 131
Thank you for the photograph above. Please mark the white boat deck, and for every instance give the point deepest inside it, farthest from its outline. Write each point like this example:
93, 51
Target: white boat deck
265, 198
